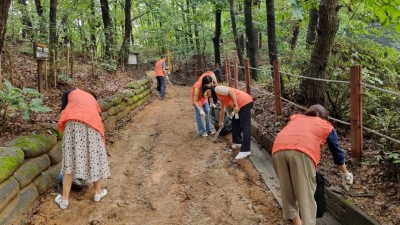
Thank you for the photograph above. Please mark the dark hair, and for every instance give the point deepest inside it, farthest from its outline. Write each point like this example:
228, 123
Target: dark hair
207, 80
163, 56
317, 110
213, 93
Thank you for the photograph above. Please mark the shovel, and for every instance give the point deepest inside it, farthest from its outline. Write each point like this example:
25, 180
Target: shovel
169, 82
217, 134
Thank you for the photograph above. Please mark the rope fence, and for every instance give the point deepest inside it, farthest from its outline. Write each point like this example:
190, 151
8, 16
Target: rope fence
355, 84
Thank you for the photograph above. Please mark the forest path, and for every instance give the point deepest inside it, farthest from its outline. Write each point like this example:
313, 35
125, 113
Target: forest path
164, 173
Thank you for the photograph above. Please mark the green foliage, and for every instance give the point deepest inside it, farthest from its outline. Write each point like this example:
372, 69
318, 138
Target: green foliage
109, 65
16, 102
64, 77
394, 156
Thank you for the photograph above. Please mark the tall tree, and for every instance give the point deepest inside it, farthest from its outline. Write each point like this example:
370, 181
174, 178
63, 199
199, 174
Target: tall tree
235, 33
109, 40
53, 38
4, 7
26, 22
197, 38
252, 45
128, 30
216, 39
312, 26
93, 25
312, 90
272, 46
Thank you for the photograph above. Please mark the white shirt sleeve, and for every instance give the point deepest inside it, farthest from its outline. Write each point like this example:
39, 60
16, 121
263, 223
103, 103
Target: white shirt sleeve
222, 90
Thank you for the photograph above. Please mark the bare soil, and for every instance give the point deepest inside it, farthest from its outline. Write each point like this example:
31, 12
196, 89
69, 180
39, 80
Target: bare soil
164, 173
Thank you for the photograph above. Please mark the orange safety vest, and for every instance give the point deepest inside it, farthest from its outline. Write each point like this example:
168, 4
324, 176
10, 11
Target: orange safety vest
159, 68
82, 107
208, 73
200, 100
242, 98
303, 133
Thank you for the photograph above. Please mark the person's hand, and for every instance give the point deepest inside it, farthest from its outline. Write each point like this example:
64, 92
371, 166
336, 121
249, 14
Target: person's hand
202, 113
236, 109
213, 106
347, 178
220, 124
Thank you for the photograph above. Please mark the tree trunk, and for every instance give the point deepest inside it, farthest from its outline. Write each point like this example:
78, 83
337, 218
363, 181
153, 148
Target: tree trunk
196, 38
272, 46
26, 21
53, 36
251, 37
4, 7
128, 30
105, 13
93, 25
217, 37
327, 28
312, 26
42, 21
296, 30
235, 34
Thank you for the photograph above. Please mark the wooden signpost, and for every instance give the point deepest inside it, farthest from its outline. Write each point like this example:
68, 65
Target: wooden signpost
41, 55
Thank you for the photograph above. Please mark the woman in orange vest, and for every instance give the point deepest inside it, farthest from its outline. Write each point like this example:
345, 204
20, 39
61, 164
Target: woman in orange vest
241, 103
296, 153
83, 144
202, 107
161, 73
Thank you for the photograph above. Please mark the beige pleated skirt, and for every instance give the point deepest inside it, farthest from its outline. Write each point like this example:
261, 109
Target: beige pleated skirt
84, 152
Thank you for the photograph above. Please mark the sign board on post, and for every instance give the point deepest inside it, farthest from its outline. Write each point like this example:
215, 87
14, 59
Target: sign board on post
133, 58
42, 52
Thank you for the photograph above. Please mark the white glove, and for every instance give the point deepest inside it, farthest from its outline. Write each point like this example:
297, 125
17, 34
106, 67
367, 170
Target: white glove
213, 105
202, 113
347, 178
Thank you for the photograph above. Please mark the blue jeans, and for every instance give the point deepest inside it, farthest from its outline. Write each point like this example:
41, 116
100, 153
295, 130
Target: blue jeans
161, 85
199, 119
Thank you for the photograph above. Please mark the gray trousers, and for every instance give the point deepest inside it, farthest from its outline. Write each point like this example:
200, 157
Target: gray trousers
296, 174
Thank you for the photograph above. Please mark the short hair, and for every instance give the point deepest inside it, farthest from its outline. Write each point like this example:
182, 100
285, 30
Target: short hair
163, 56
318, 111
218, 74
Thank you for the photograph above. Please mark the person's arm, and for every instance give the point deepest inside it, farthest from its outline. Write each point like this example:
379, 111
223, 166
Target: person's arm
164, 67
235, 103
338, 156
221, 116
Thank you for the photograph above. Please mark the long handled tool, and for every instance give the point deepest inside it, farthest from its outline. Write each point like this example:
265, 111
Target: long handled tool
169, 82
217, 134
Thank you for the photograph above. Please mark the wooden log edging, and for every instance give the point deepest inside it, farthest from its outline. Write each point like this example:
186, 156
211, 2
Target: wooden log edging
342, 209
30, 164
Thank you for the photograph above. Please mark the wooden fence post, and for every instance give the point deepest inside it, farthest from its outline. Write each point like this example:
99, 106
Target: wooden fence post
356, 113
277, 88
247, 75
235, 73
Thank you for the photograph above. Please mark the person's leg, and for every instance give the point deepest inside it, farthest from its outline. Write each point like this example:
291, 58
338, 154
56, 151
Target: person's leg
199, 121
236, 132
67, 183
97, 187
206, 108
245, 127
283, 171
162, 86
304, 184
158, 84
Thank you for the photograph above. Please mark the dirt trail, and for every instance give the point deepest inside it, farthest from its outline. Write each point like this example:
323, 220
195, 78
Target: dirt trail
164, 173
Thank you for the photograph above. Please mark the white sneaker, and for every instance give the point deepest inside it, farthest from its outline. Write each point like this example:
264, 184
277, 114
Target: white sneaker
212, 132
236, 145
97, 198
242, 155
62, 203
204, 135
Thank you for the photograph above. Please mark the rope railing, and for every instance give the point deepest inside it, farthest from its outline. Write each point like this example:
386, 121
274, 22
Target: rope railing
380, 89
355, 102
